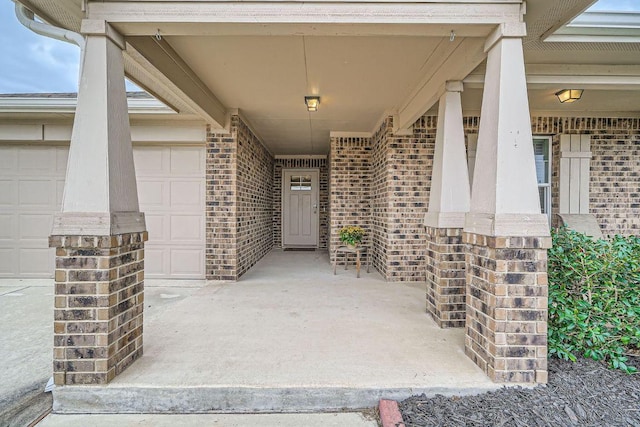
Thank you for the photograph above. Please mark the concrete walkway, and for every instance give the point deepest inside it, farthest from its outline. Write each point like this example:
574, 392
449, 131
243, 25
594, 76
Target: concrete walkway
221, 420
289, 336
26, 339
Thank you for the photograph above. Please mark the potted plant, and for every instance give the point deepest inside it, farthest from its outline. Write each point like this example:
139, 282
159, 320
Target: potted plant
351, 236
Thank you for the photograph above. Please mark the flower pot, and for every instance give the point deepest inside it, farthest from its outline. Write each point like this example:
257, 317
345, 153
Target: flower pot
352, 246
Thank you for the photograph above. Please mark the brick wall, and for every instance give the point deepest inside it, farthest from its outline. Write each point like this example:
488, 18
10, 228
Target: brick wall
410, 161
615, 166
401, 178
254, 193
239, 204
350, 186
99, 300
383, 183
221, 208
323, 217
381, 176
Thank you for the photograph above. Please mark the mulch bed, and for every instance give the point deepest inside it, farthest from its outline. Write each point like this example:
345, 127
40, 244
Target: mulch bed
584, 393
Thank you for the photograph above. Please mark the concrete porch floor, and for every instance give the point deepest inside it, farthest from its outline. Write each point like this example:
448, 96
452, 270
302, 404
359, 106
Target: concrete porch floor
288, 337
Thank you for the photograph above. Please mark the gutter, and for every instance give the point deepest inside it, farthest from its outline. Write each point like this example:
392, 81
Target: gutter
27, 18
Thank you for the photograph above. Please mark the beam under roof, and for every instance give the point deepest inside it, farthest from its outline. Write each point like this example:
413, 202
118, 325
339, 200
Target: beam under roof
168, 62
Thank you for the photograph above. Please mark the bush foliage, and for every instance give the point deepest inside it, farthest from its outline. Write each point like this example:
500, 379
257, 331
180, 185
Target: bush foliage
594, 297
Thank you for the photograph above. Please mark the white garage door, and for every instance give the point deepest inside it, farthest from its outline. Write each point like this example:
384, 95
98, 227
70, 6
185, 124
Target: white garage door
31, 184
171, 192
171, 189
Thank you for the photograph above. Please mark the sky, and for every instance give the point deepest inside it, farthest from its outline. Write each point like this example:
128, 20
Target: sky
32, 63
35, 64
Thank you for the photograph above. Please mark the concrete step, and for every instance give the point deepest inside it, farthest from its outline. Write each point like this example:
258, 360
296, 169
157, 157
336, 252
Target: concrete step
343, 419
208, 399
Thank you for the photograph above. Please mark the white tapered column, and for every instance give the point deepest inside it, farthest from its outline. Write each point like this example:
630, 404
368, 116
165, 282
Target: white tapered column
505, 200
100, 195
448, 203
99, 235
505, 234
449, 198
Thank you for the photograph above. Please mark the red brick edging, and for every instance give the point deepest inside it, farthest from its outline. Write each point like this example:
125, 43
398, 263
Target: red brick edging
390, 415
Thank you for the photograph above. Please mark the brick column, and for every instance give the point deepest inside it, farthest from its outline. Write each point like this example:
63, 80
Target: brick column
506, 328
99, 298
446, 282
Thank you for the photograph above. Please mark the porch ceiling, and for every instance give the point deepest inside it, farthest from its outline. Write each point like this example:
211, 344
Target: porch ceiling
357, 78
363, 61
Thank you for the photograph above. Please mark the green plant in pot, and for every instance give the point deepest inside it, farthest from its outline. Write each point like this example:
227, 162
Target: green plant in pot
351, 236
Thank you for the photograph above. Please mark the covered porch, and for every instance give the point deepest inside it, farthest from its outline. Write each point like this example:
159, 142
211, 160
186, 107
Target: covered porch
485, 249
288, 336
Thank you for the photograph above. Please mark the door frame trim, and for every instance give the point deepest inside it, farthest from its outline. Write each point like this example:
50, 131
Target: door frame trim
282, 200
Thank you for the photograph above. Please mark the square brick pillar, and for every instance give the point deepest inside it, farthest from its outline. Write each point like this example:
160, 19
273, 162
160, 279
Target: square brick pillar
446, 280
506, 328
99, 298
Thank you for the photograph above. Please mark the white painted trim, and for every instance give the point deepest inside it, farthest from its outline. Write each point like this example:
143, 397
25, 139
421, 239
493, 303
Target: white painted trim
68, 105
97, 223
326, 12
576, 154
340, 134
517, 29
96, 27
588, 80
507, 224
151, 133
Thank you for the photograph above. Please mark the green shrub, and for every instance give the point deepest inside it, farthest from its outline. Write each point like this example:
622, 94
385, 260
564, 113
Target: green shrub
594, 297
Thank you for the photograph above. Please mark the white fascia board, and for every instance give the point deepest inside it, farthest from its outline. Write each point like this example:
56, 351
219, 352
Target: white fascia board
120, 14
68, 105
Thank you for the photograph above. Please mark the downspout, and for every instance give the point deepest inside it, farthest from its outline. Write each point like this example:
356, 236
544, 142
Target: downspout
27, 18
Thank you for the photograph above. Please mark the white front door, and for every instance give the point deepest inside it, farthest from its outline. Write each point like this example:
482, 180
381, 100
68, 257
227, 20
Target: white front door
300, 207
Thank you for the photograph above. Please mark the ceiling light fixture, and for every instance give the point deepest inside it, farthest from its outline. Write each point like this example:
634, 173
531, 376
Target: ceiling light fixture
312, 102
569, 95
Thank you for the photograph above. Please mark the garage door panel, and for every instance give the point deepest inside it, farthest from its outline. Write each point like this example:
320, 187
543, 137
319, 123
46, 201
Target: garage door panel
150, 161
171, 194
155, 227
8, 192
35, 226
62, 156
187, 228
8, 161
187, 262
154, 262
37, 159
59, 193
186, 194
36, 262
37, 193
151, 194
187, 161
7, 262
8, 226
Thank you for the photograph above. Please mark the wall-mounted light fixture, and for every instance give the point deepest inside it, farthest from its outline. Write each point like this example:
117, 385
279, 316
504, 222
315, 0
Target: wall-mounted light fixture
312, 102
569, 95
